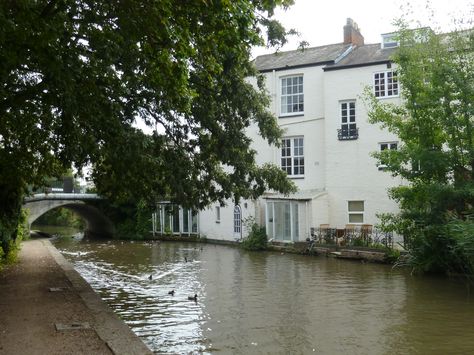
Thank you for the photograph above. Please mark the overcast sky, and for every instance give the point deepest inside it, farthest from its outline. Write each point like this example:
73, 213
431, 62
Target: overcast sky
320, 22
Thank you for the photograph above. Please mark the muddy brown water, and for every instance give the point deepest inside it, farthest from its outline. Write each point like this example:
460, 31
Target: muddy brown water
272, 303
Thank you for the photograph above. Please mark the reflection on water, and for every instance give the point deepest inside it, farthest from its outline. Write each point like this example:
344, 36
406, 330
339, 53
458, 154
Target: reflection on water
269, 303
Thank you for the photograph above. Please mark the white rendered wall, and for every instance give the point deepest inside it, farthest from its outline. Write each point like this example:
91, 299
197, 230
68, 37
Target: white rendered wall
224, 229
309, 125
351, 172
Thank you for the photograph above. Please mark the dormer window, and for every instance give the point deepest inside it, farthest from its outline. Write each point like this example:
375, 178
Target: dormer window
390, 40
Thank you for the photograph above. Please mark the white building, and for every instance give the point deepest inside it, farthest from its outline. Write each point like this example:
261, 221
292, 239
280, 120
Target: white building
327, 144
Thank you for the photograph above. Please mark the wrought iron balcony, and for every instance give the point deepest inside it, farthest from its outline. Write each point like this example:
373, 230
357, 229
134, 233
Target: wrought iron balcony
347, 134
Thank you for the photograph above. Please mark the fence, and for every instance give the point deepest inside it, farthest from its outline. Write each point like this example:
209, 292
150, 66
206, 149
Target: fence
364, 235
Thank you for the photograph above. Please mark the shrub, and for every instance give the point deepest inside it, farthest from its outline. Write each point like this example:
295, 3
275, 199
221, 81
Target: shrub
392, 256
257, 238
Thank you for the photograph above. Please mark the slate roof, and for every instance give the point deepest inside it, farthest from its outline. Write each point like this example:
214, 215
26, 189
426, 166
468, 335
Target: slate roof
300, 58
368, 54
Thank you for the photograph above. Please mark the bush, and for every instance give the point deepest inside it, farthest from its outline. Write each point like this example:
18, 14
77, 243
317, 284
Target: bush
392, 256
257, 238
9, 256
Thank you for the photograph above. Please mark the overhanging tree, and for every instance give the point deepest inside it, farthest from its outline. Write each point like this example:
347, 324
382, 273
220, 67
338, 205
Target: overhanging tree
76, 74
436, 154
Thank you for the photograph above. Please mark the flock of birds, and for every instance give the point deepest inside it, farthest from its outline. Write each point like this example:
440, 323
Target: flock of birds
190, 298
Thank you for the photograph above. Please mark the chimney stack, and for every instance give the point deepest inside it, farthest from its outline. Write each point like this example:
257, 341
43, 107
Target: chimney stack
352, 34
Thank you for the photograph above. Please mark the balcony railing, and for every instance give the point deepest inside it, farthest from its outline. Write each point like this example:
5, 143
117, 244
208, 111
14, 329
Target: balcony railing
347, 134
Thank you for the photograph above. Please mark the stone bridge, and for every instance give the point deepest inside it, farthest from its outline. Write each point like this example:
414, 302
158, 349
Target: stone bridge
96, 223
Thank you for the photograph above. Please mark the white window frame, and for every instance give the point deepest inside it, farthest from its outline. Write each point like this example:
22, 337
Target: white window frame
165, 218
295, 156
350, 114
356, 212
285, 95
293, 222
237, 222
393, 145
390, 40
386, 84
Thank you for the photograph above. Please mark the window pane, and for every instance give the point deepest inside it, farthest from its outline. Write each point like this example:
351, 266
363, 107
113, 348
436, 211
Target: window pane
270, 220
292, 98
237, 220
356, 218
167, 217
282, 220
292, 156
194, 220
295, 221
185, 220
356, 206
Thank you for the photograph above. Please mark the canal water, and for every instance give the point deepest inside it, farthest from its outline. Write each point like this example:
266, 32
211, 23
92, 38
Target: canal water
272, 303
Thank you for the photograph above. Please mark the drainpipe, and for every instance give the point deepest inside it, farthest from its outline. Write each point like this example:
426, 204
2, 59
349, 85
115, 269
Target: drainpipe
306, 215
275, 108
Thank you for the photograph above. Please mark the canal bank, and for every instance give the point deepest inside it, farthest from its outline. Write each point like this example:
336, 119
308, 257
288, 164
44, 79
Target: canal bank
365, 254
46, 307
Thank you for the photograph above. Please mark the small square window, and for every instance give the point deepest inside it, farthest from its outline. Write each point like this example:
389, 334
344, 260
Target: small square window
356, 211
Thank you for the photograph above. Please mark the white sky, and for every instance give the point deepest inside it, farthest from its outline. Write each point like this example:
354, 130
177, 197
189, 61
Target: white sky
321, 22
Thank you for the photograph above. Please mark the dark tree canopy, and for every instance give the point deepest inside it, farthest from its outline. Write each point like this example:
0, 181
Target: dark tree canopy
76, 74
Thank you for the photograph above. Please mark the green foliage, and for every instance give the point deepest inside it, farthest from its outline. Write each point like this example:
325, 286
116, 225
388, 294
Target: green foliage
61, 217
143, 218
392, 255
358, 242
11, 215
9, 250
257, 237
132, 219
436, 154
76, 75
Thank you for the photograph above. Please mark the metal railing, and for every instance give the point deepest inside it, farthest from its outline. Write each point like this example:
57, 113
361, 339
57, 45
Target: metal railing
347, 134
352, 235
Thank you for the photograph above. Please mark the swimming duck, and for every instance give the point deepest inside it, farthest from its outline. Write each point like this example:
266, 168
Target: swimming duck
193, 298
171, 293
150, 277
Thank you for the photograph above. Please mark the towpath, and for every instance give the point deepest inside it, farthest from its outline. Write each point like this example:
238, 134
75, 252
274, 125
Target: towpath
46, 307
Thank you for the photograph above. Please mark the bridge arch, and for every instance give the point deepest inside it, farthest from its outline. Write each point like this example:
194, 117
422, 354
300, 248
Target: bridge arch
97, 225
